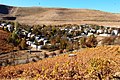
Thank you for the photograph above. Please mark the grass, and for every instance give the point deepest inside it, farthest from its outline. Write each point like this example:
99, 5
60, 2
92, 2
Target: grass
91, 63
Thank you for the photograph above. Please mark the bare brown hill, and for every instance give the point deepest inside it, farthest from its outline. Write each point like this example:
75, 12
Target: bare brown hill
40, 15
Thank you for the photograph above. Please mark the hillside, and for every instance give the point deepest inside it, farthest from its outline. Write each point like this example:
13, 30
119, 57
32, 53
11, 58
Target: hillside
54, 16
4, 46
88, 64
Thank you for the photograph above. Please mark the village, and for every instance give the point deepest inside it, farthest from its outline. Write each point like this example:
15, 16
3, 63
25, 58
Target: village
36, 39
49, 41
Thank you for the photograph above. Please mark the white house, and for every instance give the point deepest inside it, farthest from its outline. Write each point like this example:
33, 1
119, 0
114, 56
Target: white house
44, 42
105, 35
37, 37
93, 30
100, 31
39, 47
29, 43
34, 46
89, 34
105, 31
29, 34
32, 35
114, 32
10, 27
3, 24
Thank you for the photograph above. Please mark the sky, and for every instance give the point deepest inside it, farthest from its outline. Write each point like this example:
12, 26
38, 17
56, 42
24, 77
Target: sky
103, 5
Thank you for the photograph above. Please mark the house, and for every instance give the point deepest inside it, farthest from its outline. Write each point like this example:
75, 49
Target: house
29, 43
114, 32
5, 27
89, 34
34, 46
105, 31
105, 35
100, 31
3, 24
29, 35
10, 27
32, 35
86, 31
93, 30
83, 34
70, 30
39, 47
44, 42
118, 34
37, 37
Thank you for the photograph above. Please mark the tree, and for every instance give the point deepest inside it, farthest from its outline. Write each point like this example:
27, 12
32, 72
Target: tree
91, 41
63, 43
108, 40
23, 44
83, 42
14, 39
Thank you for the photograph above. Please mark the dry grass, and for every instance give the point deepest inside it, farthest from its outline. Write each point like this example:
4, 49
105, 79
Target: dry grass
104, 60
39, 15
4, 46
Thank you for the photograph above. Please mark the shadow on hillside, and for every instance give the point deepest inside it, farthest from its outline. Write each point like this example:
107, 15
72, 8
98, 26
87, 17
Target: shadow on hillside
4, 9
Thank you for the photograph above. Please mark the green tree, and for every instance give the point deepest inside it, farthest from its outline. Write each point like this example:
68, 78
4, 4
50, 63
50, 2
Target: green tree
14, 39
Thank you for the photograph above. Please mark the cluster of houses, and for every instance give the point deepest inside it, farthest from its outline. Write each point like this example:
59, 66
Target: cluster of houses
8, 27
37, 39
85, 30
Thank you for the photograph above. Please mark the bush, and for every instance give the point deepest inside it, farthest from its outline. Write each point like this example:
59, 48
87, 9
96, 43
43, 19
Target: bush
14, 39
91, 41
83, 42
117, 41
108, 40
23, 44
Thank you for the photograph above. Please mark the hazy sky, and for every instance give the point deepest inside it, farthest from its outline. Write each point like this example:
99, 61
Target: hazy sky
104, 5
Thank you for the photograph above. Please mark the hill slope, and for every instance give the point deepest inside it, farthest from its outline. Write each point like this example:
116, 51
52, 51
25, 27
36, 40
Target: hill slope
86, 65
39, 15
4, 46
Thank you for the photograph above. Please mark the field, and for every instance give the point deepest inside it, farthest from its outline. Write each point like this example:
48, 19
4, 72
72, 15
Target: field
4, 46
91, 63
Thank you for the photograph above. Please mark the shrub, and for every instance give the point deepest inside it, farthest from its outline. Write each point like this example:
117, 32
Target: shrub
14, 39
83, 42
23, 44
108, 40
91, 41
117, 41
99, 68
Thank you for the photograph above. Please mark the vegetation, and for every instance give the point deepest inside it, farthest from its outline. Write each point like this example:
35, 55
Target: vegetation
14, 39
94, 63
91, 41
109, 40
23, 44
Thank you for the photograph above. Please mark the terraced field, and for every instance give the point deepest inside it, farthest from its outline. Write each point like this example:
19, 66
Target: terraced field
91, 63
